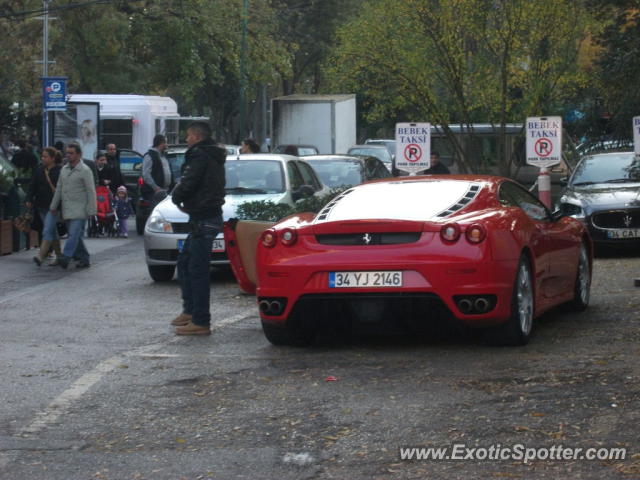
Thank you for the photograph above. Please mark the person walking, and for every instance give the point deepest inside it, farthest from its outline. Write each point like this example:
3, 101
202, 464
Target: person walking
156, 172
41, 191
200, 194
77, 192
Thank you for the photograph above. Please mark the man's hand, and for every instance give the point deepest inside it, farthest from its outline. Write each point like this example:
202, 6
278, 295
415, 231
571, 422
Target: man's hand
28, 204
53, 211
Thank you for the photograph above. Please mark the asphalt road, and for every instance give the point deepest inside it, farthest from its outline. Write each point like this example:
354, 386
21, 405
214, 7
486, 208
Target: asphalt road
96, 386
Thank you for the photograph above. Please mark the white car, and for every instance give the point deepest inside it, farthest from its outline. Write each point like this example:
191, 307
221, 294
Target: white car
254, 177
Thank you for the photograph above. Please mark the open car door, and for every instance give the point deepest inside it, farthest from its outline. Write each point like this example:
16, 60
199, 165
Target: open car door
242, 237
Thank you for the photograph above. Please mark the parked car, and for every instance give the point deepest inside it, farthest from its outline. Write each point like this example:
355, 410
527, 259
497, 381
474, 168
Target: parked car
479, 250
268, 177
592, 147
388, 143
296, 150
175, 155
378, 151
341, 170
604, 193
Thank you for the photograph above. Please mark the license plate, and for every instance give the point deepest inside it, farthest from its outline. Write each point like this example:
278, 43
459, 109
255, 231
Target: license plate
365, 279
218, 245
624, 233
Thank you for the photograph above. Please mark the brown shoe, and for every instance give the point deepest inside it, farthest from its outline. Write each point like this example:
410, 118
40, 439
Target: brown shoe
193, 329
181, 320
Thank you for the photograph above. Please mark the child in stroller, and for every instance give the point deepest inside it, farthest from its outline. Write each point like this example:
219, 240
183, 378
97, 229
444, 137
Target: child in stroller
105, 221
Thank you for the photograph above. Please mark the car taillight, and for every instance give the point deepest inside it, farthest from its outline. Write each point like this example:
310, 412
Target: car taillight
475, 233
450, 232
268, 238
140, 181
288, 236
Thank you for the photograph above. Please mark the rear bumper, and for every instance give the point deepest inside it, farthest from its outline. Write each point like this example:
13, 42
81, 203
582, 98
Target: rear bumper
428, 288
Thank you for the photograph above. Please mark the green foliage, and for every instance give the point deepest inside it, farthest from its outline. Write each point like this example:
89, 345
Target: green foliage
271, 212
461, 61
266, 211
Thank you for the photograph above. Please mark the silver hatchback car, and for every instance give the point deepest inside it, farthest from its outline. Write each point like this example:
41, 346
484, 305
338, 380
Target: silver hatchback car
261, 176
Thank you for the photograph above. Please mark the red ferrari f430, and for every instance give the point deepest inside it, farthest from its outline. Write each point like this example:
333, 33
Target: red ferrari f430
481, 250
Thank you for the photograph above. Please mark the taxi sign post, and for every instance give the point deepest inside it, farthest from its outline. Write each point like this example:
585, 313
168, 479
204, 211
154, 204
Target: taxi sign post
636, 135
413, 147
544, 149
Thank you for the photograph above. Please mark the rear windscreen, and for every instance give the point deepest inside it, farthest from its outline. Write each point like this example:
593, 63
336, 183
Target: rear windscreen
411, 200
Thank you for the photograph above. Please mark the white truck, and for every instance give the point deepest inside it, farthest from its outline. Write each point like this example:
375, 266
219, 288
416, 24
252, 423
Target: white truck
327, 122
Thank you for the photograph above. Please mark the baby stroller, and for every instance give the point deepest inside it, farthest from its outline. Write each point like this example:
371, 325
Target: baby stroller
105, 221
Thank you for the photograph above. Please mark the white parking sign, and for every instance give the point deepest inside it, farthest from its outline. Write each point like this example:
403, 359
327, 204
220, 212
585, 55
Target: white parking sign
636, 135
544, 141
413, 147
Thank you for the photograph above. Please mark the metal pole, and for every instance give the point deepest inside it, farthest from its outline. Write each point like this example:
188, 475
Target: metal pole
243, 68
263, 127
45, 71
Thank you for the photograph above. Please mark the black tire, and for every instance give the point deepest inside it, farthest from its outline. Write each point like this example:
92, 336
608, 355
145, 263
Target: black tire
285, 336
140, 225
582, 286
517, 330
161, 273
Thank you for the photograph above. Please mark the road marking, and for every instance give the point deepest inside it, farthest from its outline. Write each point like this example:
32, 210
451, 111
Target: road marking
62, 404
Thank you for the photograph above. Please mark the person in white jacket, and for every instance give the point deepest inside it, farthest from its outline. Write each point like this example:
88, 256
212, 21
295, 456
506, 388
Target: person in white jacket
77, 192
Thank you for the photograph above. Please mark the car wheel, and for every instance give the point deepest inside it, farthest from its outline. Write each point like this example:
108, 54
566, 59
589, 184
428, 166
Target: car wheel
287, 336
582, 286
140, 225
161, 273
517, 330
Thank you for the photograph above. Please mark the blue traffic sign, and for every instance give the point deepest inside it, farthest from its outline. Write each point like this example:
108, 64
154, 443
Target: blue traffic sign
54, 93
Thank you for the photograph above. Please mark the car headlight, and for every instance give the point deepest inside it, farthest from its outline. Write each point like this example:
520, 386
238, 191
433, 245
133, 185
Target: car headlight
572, 210
157, 224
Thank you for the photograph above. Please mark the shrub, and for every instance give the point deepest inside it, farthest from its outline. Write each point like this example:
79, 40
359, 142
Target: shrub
271, 212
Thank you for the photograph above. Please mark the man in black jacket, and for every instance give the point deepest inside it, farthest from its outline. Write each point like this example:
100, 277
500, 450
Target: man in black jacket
200, 193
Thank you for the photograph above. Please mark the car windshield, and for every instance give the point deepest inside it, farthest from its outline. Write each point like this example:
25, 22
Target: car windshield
335, 173
608, 168
380, 153
254, 177
304, 151
128, 161
176, 160
389, 144
408, 200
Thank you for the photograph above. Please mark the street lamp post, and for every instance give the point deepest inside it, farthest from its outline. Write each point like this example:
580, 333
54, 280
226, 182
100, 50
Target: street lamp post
45, 70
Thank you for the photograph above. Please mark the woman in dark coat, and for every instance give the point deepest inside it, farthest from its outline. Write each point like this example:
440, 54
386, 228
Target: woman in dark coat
41, 190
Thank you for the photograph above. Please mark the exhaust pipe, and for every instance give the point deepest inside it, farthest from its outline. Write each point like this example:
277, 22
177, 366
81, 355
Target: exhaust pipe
481, 305
465, 305
273, 307
265, 306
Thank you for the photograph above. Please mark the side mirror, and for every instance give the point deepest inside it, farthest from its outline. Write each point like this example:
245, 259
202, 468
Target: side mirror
303, 192
564, 181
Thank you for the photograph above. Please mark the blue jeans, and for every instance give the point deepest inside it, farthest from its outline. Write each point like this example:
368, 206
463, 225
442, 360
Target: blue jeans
193, 269
74, 246
49, 225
